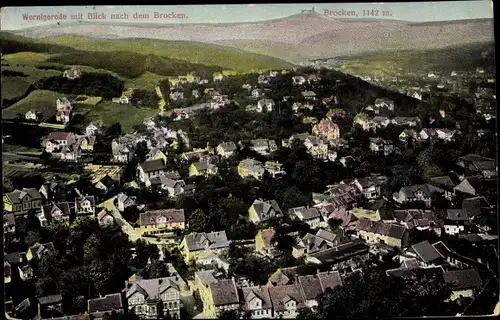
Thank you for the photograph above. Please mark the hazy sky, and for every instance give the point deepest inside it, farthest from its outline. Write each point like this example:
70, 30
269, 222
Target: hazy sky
12, 17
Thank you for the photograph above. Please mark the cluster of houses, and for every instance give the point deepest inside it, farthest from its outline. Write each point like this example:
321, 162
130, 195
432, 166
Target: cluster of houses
68, 146
350, 223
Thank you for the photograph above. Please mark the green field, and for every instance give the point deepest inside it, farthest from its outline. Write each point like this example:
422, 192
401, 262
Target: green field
17, 87
26, 58
146, 81
189, 52
14, 87
128, 116
40, 100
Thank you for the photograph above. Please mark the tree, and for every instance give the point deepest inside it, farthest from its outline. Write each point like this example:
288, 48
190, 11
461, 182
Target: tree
384, 296
334, 223
141, 151
131, 214
156, 269
229, 315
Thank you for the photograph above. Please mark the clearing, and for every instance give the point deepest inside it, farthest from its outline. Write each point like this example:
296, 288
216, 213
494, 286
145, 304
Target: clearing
128, 116
43, 101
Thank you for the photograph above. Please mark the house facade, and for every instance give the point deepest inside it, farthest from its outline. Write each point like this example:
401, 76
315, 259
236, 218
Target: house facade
19, 201
160, 221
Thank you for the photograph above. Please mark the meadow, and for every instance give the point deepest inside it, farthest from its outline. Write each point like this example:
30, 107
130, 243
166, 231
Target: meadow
43, 101
128, 116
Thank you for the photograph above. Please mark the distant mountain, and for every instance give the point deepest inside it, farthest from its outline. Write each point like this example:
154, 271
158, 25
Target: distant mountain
300, 36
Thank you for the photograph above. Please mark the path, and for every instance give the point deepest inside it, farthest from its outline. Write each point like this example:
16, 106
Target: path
161, 104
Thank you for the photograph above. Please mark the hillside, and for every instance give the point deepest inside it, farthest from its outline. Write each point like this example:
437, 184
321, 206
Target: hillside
170, 53
300, 36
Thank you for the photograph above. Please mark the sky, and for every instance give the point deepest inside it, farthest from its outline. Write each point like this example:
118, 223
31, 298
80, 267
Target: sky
14, 18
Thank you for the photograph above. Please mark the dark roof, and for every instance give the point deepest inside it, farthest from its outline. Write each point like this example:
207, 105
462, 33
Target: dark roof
329, 279
311, 286
484, 165
463, 279
426, 251
341, 252
456, 215
53, 299
474, 157
413, 273
13, 257
60, 136
49, 209
224, 292
162, 216
444, 182
152, 165
108, 303
378, 227
473, 206
442, 249
107, 181
280, 295
472, 238
16, 195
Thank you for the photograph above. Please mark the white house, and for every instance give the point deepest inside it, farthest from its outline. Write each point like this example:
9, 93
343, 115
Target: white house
265, 104
298, 80
31, 115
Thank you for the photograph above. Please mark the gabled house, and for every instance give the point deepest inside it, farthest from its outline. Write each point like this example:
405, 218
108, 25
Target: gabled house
261, 211
26, 272
226, 149
310, 244
54, 190
262, 146
202, 168
312, 286
265, 105
251, 168
370, 186
287, 300
465, 283
173, 185
223, 297
160, 221
421, 192
54, 212
156, 154
106, 184
327, 129
122, 152
154, 298
150, 169
311, 216
50, 306
86, 143
84, 206
19, 201
468, 186
199, 245
427, 254
38, 251
379, 145
57, 140
257, 93
93, 129
105, 218
257, 302
383, 103
110, 303
456, 221
446, 183
379, 232
474, 164
124, 201
32, 115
